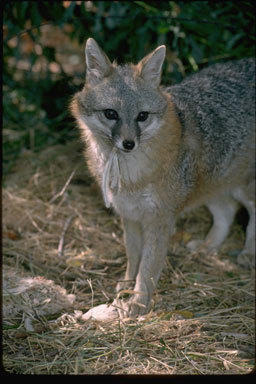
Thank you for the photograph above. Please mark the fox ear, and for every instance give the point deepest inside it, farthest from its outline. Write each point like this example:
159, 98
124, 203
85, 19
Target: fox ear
98, 64
150, 67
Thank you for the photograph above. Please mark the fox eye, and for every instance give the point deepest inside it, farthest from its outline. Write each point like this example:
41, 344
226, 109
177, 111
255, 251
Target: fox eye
111, 114
142, 116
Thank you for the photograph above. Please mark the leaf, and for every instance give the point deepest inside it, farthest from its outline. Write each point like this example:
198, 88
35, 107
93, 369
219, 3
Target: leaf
193, 63
10, 235
233, 40
196, 53
186, 314
168, 315
182, 236
146, 6
77, 261
69, 10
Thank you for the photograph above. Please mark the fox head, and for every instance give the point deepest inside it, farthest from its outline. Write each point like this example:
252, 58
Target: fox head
121, 105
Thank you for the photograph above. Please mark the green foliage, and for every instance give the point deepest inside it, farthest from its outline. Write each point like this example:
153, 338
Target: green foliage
196, 34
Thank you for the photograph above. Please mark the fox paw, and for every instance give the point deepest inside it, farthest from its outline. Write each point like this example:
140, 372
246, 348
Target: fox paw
202, 245
131, 308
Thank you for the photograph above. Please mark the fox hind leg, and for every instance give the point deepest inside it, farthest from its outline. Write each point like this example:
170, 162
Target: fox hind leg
247, 197
223, 209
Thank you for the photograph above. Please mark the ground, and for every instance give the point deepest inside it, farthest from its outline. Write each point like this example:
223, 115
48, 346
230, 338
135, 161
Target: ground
63, 253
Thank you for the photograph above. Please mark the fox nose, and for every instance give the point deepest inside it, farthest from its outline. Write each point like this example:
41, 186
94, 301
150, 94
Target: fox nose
128, 145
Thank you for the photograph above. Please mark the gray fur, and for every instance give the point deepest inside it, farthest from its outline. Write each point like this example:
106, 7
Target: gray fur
197, 146
219, 101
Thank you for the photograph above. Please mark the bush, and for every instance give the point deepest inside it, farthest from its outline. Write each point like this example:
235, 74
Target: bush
196, 34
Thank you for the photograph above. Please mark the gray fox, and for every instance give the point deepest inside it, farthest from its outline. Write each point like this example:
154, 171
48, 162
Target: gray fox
156, 151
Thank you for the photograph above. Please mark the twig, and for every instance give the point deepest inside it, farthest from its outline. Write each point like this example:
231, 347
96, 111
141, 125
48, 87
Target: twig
59, 194
62, 237
169, 367
90, 285
192, 363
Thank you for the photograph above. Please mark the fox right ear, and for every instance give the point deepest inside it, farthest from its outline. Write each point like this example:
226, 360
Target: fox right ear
98, 64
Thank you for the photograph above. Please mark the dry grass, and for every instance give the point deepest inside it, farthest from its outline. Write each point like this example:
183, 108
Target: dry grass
203, 318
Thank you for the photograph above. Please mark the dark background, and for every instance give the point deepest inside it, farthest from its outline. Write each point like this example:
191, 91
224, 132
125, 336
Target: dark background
43, 54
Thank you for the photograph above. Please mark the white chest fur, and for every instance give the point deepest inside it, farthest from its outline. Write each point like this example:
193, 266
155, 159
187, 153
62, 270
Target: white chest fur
120, 174
136, 205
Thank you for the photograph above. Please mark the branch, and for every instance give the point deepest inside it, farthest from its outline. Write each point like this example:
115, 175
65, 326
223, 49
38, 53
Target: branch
62, 237
59, 194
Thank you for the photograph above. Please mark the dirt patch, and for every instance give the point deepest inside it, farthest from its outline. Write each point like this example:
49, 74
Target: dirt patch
63, 253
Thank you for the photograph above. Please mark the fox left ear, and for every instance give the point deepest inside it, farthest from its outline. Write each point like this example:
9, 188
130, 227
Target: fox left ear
150, 67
